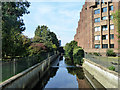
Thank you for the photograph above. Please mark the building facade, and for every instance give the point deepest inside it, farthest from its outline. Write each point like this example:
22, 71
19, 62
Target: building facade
96, 31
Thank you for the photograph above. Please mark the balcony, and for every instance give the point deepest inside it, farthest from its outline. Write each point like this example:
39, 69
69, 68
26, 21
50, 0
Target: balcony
112, 41
96, 24
105, 41
111, 31
105, 32
104, 22
104, 13
96, 15
97, 33
97, 42
111, 22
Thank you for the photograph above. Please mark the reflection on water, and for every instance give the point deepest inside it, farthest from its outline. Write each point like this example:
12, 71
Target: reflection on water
62, 75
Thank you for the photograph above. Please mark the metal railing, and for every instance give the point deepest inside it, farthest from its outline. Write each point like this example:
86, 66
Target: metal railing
11, 68
103, 60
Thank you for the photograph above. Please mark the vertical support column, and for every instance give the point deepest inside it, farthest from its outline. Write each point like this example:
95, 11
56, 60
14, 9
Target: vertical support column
108, 24
0, 41
100, 24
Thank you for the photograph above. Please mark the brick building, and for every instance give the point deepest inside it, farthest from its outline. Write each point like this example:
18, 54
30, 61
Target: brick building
96, 28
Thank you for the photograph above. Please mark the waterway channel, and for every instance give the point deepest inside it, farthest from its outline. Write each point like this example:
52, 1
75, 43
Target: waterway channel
61, 75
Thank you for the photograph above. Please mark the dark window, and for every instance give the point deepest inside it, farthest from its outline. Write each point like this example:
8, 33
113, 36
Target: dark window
105, 46
111, 45
104, 28
104, 9
104, 18
111, 8
104, 37
97, 45
97, 20
111, 36
102, 1
97, 11
98, 2
111, 17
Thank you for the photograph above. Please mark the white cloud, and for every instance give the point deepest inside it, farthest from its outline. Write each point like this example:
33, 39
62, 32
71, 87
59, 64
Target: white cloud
61, 18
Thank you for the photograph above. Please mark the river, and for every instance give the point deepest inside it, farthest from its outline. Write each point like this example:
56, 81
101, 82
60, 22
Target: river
61, 75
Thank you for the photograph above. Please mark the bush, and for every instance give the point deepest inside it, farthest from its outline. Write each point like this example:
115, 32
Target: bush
110, 53
90, 53
78, 54
111, 68
96, 54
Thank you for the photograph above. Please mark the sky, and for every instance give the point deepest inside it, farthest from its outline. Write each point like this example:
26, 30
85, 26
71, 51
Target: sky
60, 17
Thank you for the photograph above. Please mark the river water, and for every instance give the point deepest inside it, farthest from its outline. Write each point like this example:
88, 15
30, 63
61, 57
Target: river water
62, 75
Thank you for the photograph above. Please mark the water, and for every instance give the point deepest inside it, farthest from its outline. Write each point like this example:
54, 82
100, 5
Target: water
61, 75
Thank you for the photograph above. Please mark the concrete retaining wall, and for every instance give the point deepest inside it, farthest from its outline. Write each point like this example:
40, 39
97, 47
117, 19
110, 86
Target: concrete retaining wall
29, 77
108, 78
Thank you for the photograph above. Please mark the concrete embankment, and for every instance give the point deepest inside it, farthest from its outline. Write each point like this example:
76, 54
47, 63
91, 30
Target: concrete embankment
29, 77
106, 77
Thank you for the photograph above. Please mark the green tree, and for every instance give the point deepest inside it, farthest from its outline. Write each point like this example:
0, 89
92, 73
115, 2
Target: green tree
44, 35
73, 53
12, 27
69, 47
36, 49
116, 19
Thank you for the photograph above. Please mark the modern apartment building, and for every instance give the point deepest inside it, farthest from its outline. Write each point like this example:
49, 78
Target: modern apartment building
96, 31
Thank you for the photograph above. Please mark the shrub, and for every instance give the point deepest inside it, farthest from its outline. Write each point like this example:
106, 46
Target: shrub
96, 54
111, 68
78, 54
90, 53
110, 53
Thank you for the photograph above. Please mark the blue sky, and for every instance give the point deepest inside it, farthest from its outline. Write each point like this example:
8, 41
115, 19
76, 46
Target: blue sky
60, 17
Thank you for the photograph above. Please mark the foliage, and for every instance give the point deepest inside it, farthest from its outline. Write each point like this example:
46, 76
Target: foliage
44, 35
96, 54
111, 68
110, 53
90, 53
12, 27
116, 20
14, 43
36, 48
73, 52
78, 54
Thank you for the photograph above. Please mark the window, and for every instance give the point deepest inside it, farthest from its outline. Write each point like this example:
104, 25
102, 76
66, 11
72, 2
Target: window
97, 37
111, 45
105, 46
104, 28
102, 1
104, 9
98, 2
97, 20
111, 27
97, 11
97, 29
104, 37
111, 36
97, 45
111, 17
104, 18
111, 8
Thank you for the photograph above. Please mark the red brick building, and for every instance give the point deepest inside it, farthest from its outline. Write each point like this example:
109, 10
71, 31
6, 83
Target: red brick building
96, 28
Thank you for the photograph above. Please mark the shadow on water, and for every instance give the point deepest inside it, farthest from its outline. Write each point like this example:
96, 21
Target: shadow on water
62, 75
50, 74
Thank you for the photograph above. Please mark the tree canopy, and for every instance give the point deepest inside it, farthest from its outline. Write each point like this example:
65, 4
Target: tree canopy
14, 43
44, 35
73, 53
12, 27
116, 19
